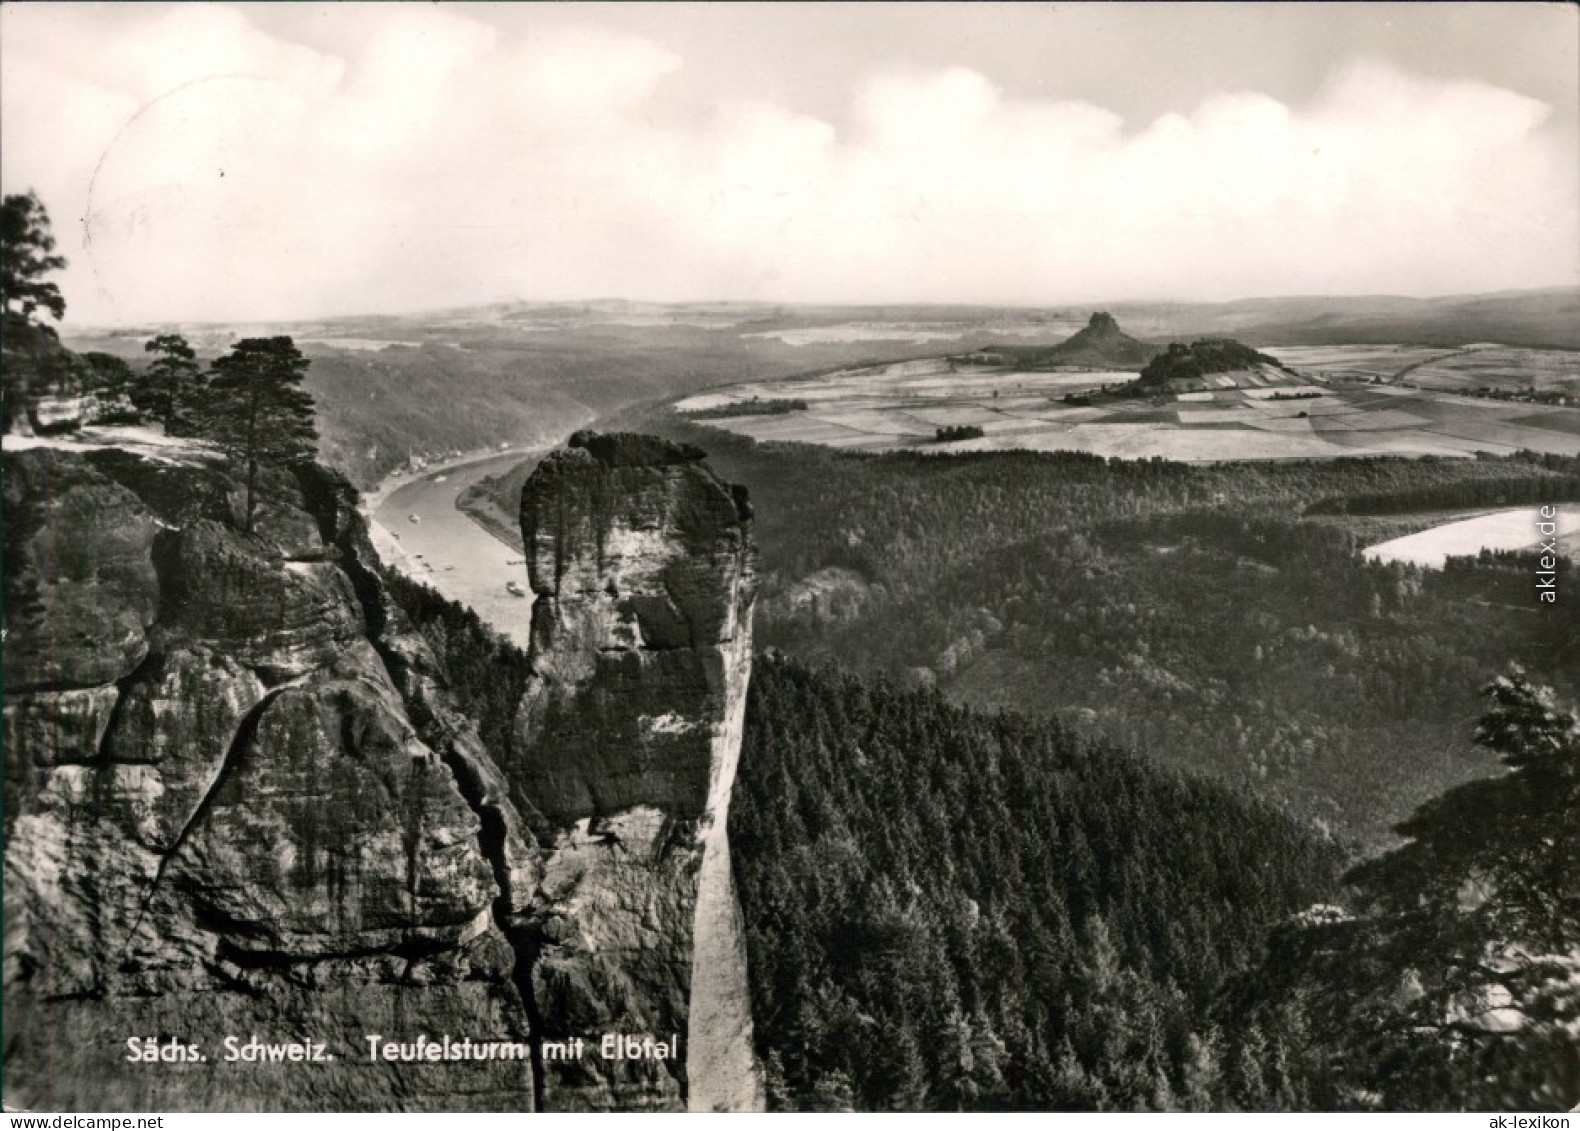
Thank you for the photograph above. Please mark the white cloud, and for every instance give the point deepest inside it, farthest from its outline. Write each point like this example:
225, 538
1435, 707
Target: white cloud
440, 162
580, 77
413, 67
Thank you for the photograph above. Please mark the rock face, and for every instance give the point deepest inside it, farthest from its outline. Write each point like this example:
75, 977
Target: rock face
641, 562
48, 388
225, 817
242, 803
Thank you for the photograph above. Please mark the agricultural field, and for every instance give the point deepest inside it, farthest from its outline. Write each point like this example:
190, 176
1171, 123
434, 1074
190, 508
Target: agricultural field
1480, 366
1539, 371
1368, 363
1328, 407
1052, 329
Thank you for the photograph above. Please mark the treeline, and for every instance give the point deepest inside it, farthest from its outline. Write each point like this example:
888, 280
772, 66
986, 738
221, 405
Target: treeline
754, 407
1556, 397
953, 910
948, 434
1558, 486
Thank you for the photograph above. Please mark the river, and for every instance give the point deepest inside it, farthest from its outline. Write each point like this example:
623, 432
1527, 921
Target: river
447, 550
1515, 529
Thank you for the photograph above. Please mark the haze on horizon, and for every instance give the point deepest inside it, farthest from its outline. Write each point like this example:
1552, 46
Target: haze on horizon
241, 162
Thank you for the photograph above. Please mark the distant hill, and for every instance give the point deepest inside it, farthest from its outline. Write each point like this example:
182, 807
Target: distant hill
390, 387
1100, 345
1545, 318
1191, 363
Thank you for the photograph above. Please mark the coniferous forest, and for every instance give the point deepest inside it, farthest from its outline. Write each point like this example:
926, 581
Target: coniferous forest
1219, 618
792, 557
956, 910
949, 909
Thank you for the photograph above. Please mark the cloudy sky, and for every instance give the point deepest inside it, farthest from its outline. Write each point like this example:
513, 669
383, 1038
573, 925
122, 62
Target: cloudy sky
236, 161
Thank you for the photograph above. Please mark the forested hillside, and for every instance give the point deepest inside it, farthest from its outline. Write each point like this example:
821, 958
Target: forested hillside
948, 909
1201, 359
487, 671
951, 909
954, 909
496, 383
1188, 612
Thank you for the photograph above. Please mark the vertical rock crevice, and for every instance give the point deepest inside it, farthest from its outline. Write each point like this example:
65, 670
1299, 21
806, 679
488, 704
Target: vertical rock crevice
205, 854
498, 840
416, 672
233, 755
626, 743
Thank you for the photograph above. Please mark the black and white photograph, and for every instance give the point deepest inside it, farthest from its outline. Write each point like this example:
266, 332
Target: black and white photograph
790, 557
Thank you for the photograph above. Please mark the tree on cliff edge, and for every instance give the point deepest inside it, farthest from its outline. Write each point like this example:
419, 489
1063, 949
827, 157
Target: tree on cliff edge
1456, 983
173, 379
26, 256
256, 409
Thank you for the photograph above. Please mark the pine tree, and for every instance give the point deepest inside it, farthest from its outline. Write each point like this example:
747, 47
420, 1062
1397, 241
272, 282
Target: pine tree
775, 1088
256, 409
1202, 1078
1485, 901
26, 256
113, 380
1455, 984
832, 1091
172, 379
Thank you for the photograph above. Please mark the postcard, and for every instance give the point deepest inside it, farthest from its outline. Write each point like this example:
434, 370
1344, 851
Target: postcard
791, 557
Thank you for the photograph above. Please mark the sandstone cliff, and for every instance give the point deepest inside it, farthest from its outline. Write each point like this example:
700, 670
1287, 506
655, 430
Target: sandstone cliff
240, 801
222, 817
641, 562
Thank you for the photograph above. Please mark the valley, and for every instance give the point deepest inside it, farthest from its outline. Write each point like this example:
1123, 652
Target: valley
613, 558
432, 385
1080, 653
1208, 598
418, 530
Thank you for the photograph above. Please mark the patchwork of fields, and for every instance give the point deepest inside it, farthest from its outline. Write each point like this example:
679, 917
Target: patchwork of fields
920, 331
1467, 369
1342, 401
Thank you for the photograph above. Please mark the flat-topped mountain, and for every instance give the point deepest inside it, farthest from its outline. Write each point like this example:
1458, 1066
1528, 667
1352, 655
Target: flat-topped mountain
1192, 363
1101, 344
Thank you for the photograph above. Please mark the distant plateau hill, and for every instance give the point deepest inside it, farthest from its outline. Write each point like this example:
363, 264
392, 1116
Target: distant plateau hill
1186, 366
1100, 345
